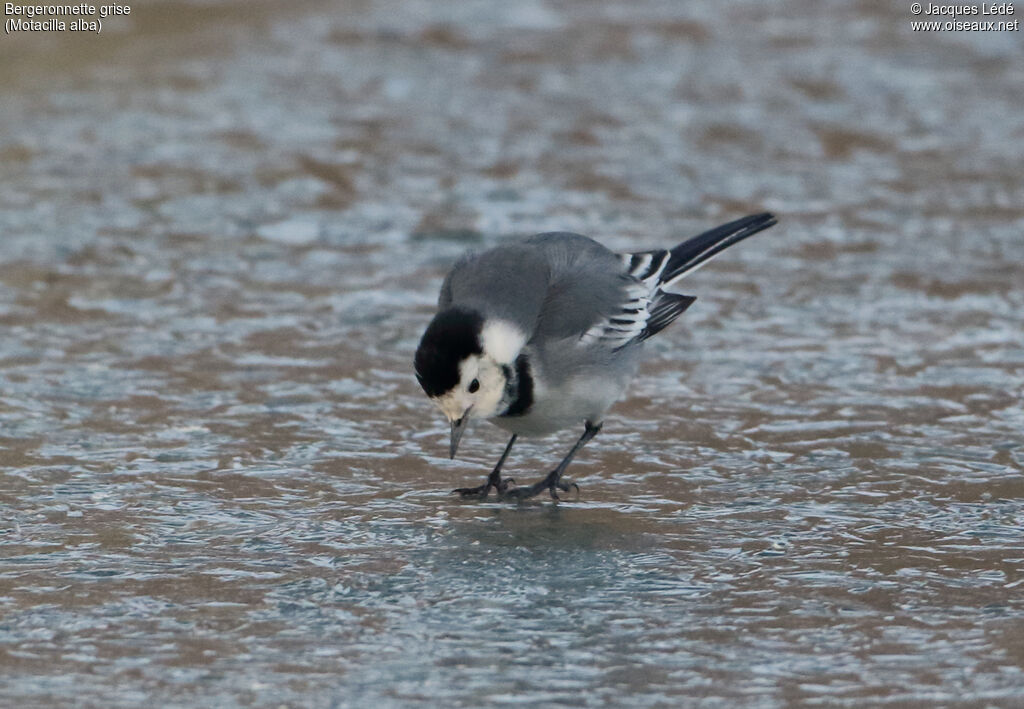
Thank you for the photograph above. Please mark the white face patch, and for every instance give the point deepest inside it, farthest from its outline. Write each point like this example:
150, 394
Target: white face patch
453, 405
455, 402
485, 401
502, 341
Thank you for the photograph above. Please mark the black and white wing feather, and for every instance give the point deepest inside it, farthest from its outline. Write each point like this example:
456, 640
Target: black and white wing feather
647, 307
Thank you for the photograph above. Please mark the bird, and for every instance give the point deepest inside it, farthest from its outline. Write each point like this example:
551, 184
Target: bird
544, 333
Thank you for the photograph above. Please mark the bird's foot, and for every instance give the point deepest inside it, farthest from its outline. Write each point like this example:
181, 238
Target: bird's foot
481, 491
552, 483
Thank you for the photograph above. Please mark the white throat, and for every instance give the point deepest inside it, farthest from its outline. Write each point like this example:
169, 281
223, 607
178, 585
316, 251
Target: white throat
502, 341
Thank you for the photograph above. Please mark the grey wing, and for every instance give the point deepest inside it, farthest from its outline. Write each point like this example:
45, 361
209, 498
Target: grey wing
561, 285
588, 285
646, 309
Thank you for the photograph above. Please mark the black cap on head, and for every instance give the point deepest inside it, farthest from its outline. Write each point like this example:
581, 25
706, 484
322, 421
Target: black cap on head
452, 335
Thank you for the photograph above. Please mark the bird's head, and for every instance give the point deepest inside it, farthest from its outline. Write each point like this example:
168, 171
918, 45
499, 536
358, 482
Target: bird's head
464, 364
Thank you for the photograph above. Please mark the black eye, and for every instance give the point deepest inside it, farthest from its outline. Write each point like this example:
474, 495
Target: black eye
473, 386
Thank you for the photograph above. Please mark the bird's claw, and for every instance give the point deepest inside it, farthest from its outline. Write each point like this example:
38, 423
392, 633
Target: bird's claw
520, 493
506, 488
551, 483
480, 492
566, 485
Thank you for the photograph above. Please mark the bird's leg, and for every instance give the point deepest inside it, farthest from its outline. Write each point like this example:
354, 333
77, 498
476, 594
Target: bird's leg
493, 480
554, 478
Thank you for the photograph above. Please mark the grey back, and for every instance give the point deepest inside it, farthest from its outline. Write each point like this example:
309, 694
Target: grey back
587, 284
553, 285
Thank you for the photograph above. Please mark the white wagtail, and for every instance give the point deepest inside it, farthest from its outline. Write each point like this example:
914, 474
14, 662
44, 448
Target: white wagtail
540, 334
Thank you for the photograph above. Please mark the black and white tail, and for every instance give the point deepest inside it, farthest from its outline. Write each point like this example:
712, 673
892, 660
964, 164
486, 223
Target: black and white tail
649, 308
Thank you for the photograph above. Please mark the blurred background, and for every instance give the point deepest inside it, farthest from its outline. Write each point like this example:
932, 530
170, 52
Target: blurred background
223, 225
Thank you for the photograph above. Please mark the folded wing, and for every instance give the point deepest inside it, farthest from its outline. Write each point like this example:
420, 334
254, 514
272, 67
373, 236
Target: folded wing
648, 307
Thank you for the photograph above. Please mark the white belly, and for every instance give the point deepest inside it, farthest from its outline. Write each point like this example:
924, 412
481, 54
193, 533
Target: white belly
567, 406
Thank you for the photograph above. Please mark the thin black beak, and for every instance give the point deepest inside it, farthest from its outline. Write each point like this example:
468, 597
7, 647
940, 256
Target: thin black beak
458, 428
